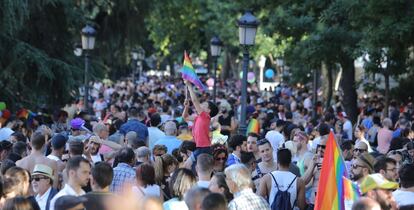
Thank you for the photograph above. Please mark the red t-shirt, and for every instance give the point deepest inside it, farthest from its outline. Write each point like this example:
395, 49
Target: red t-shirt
201, 130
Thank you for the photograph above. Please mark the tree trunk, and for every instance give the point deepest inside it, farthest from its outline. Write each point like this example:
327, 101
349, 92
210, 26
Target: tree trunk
330, 86
348, 86
226, 66
387, 92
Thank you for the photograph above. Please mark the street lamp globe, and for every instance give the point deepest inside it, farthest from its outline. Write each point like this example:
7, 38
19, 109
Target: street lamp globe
77, 49
88, 37
247, 29
215, 46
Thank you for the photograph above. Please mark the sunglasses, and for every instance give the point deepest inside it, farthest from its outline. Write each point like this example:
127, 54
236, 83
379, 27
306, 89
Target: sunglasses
39, 178
355, 166
360, 150
218, 159
321, 146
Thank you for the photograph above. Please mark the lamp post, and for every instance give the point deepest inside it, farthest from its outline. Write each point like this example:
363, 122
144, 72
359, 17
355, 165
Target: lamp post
134, 54
215, 48
88, 43
247, 33
280, 63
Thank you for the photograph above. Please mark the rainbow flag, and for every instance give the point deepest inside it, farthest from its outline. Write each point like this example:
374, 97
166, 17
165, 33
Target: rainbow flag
330, 194
188, 73
351, 190
253, 127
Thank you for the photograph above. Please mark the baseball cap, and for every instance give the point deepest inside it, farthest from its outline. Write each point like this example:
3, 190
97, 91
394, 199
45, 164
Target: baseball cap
77, 123
377, 181
44, 170
95, 139
59, 141
69, 201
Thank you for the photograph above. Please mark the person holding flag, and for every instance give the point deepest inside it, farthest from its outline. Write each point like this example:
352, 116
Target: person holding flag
205, 111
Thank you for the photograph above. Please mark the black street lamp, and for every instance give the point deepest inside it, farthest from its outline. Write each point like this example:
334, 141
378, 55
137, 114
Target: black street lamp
247, 34
215, 47
88, 43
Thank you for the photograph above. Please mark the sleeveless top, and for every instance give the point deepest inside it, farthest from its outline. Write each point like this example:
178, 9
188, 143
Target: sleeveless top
284, 178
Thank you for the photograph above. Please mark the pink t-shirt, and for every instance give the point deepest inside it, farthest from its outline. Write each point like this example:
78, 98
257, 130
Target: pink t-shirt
384, 140
201, 130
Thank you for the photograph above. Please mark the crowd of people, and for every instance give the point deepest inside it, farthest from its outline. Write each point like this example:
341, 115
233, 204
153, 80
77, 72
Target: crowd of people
161, 144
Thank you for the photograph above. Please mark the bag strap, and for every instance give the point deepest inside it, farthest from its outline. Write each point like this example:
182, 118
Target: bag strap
291, 183
277, 186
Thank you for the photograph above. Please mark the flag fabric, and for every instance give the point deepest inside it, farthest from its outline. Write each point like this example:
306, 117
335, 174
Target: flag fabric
330, 194
188, 73
351, 190
253, 127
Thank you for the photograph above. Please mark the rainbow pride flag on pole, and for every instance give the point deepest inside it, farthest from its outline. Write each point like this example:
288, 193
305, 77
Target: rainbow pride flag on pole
188, 73
253, 127
330, 194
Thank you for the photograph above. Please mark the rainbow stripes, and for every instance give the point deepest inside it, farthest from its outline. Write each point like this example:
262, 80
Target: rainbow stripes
253, 127
351, 190
188, 73
330, 194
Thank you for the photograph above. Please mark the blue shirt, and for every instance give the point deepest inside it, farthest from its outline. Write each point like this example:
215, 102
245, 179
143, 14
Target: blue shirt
171, 142
233, 159
123, 173
137, 126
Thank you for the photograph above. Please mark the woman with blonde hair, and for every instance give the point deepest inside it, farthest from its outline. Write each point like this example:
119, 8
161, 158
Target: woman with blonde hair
181, 181
164, 165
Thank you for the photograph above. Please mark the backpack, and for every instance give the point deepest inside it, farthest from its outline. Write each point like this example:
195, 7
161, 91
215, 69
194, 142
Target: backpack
281, 200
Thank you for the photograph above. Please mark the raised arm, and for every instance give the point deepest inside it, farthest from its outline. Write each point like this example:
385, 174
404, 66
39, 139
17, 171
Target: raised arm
194, 97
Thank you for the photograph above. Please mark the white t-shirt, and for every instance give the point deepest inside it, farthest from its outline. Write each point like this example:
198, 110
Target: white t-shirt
403, 198
347, 127
203, 184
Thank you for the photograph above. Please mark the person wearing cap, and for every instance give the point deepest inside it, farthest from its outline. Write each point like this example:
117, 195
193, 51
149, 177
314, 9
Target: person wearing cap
58, 148
361, 167
42, 180
274, 136
378, 188
70, 202
170, 140
38, 142
77, 126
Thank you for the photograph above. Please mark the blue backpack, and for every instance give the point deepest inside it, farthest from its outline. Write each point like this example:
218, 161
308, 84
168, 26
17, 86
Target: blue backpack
281, 200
